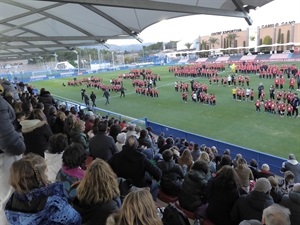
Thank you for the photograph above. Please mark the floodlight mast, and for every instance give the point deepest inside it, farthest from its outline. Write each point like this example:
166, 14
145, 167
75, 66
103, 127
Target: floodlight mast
78, 64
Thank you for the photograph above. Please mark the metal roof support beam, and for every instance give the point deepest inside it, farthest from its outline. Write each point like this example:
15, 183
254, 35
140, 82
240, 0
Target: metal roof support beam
240, 7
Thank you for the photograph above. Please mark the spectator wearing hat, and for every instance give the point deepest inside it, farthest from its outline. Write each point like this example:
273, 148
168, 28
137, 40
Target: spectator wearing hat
251, 205
291, 200
265, 171
292, 165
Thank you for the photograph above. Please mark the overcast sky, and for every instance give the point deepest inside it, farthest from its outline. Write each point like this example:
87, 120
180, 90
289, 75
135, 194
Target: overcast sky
190, 27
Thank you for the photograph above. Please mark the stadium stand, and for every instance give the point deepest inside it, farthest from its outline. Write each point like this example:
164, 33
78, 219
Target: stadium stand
295, 56
263, 57
211, 59
184, 60
235, 58
280, 56
201, 60
222, 58
248, 57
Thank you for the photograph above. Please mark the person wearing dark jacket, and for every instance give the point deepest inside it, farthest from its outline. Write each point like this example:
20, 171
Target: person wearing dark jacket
251, 205
172, 174
292, 202
193, 194
102, 145
47, 99
11, 147
97, 194
169, 143
36, 133
93, 98
132, 164
223, 190
144, 139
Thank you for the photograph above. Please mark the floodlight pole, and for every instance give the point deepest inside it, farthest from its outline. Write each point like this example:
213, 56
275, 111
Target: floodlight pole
99, 56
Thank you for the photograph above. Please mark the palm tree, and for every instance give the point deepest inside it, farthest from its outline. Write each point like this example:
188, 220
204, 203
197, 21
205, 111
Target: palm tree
231, 37
212, 41
188, 45
204, 44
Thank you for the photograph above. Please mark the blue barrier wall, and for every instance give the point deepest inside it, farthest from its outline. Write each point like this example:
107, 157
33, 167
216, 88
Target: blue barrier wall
274, 162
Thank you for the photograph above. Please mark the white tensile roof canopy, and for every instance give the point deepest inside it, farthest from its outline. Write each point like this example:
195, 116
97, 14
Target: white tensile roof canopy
29, 27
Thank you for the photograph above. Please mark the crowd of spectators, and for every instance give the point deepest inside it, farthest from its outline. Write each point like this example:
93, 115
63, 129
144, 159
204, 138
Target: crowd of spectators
60, 166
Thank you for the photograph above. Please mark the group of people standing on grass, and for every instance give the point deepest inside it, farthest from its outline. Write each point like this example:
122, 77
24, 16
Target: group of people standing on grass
284, 102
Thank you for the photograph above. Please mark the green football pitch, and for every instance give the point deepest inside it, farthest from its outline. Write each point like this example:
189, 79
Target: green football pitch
231, 121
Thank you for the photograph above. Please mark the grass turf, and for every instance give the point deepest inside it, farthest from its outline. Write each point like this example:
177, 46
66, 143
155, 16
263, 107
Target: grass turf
230, 121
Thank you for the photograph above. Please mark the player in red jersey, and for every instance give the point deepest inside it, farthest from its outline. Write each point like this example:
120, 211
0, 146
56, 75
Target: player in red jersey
257, 105
184, 96
281, 108
292, 83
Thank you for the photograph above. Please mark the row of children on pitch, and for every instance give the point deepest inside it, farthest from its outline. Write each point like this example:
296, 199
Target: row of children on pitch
185, 86
271, 106
243, 94
202, 97
149, 92
286, 97
231, 80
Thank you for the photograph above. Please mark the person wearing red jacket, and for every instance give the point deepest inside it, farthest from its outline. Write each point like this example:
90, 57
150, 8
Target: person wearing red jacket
276, 82
292, 83
184, 96
257, 105
281, 108
281, 81
251, 95
289, 110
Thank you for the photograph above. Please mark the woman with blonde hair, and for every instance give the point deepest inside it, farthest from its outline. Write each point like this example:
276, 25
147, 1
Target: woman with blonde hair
77, 135
138, 209
186, 159
205, 157
244, 173
97, 194
35, 200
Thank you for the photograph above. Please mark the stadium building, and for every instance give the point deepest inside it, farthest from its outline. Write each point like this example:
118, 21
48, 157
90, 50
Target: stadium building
268, 38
